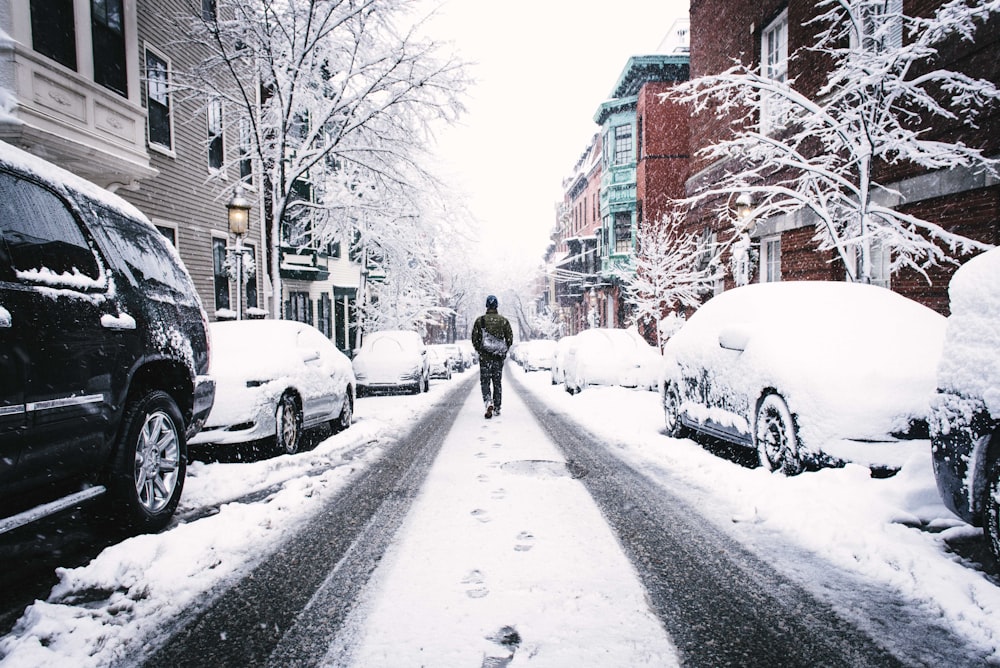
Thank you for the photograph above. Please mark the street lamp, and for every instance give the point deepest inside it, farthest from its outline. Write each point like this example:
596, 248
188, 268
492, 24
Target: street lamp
744, 207
239, 223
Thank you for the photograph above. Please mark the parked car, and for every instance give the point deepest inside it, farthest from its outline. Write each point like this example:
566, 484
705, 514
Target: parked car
965, 416
536, 355
469, 355
392, 361
454, 354
103, 351
563, 346
603, 356
302, 381
806, 373
439, 363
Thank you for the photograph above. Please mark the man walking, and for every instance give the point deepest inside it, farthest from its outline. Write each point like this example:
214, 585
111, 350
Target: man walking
492, 338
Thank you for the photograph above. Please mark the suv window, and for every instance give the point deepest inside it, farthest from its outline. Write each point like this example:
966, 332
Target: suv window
142, 248
43, 240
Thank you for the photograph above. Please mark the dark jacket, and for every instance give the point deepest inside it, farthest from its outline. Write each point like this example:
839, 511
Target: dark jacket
497, 327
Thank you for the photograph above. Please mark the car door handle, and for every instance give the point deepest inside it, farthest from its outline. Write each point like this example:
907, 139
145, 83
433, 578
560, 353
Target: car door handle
6, 321
121, 321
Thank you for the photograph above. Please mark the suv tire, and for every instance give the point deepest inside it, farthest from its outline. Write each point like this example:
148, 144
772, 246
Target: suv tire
149, 464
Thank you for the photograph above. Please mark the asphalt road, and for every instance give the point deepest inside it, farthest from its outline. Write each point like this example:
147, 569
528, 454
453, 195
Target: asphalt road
721, 603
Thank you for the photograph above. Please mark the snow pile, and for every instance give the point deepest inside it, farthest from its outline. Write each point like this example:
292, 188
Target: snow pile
970, 363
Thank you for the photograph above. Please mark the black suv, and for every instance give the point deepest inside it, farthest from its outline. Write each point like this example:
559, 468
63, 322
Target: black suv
103, 352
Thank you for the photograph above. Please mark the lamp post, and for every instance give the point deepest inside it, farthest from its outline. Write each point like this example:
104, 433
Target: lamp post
744, 207
239, 222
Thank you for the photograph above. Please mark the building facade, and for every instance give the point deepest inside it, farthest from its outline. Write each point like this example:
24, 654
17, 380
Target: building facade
763, 34
93, 87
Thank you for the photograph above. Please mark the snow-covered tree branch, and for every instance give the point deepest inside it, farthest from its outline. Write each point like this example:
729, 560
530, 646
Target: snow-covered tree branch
828, 153
336, 101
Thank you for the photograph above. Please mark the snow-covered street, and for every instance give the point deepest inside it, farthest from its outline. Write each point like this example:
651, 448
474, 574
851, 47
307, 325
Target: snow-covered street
504, 557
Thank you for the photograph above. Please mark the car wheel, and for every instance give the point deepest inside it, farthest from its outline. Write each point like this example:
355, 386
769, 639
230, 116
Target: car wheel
775, 436
288, 425
671, 410
346, 417
150, 462
991, 527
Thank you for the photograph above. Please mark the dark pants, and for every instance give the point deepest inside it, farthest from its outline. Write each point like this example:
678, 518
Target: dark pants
491, 371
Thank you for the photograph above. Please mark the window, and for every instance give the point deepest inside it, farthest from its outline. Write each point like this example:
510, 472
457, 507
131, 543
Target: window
770, 265
881, 26
220, 274
623, 232
158, 101
169, 233
250, 272
774, 66
53, 30
879, 259
107, 23
208, 10
246, 145
324, 320
42, 237
623, 145
299, 307
216, 150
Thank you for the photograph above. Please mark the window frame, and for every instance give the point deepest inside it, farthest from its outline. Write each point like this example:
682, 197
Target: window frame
770, 259
220, 276
774, 67
151, 98
216, 136
109, 67
623, 149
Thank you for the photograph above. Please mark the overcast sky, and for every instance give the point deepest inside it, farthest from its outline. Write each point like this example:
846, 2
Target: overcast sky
542, 68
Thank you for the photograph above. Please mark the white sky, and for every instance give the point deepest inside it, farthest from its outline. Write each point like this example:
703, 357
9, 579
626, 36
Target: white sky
542, 68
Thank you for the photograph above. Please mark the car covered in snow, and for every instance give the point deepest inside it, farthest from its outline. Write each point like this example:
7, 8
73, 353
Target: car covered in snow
604, 356
965, 417
563, 346
275, 379
392, 361
536, 354
807, 373
103, 352
439, 362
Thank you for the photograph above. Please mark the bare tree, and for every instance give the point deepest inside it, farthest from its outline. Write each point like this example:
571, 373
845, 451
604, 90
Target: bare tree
673, 270
882, 97
335, 100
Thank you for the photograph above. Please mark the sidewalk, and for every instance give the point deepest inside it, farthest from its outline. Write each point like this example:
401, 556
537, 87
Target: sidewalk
504, 559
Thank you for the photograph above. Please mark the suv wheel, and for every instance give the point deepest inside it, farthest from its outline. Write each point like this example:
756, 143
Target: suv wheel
671, 411
150, 463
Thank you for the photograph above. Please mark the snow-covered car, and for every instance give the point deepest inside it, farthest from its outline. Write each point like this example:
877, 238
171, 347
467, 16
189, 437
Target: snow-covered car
965, 413
536, 354
392, 361
807, 373
274, 379
439, 362
604, 356
563, 345
454, 354
469, 356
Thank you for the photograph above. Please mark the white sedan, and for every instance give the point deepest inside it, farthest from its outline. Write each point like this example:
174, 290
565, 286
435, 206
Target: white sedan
806, 373
275, 378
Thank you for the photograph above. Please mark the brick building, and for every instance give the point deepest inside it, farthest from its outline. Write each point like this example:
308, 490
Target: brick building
767, 31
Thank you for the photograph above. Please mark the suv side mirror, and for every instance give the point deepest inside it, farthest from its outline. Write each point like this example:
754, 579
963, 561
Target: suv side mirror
734, 337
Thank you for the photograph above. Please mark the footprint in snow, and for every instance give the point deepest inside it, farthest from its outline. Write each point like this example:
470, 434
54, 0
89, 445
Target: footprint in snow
476, 582
525, 541
482, 477
498, 493
480, 455
481, 515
